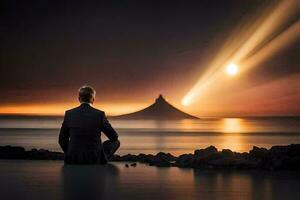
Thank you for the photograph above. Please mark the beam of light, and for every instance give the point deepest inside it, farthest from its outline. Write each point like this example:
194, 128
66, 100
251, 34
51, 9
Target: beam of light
278, 44
261, 45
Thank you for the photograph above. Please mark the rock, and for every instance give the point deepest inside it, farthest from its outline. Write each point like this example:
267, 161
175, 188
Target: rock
277, 158
129, 157
144, 158
205, 152
116, 158
159, 161
257, 152
231, 163
166, 156
292, 150
185, 160
9, 152
290, 163
227, 153
204, 161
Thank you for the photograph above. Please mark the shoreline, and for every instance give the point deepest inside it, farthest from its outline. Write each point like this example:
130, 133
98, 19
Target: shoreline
276, 158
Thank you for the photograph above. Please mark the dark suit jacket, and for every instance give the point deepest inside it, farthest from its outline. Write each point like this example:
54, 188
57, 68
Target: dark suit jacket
80, 133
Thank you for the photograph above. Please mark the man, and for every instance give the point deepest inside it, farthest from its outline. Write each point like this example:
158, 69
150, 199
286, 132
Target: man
80, 132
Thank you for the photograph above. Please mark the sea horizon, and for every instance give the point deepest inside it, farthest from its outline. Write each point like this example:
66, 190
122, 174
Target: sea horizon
153, 136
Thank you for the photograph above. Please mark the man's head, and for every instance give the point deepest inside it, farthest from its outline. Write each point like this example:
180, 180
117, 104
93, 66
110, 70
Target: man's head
87, 94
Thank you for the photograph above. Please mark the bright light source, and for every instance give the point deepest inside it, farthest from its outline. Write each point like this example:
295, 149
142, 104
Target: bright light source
232, 69
242, 47
186, 101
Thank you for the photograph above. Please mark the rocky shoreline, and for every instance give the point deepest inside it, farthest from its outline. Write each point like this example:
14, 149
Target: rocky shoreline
276, 158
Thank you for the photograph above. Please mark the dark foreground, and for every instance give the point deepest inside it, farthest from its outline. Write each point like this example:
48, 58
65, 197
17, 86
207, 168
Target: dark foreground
275, 158
51, 180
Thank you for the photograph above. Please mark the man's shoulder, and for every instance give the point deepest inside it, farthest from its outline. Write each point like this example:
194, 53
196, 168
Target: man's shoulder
90, 108
72, 110
98, 111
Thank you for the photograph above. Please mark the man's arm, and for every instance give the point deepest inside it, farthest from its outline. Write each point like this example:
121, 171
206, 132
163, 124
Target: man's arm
64, 135
108, 130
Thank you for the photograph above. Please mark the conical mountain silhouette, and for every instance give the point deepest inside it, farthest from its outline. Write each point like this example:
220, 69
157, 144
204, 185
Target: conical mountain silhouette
160, 109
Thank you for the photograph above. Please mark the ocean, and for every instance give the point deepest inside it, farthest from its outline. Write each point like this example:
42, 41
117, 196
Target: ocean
151, 136
26, 179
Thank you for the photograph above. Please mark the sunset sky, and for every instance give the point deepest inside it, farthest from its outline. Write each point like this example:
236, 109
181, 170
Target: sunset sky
132, 51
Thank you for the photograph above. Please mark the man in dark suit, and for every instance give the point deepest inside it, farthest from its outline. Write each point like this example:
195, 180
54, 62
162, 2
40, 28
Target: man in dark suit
81, 129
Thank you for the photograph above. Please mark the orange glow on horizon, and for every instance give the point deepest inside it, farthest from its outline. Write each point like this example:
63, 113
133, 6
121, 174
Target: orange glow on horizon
59, 109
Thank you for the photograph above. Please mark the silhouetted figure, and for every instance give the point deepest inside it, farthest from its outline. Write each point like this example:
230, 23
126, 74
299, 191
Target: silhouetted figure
79, 135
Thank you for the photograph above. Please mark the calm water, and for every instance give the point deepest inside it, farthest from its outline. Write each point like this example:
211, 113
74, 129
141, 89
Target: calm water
149, 136
52, 180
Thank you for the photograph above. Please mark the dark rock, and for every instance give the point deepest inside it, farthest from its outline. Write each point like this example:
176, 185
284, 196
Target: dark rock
204, 161
257, 152
290, 163
185, 160
166, 156
231, 163
227, 153
144, 158
9, 152
129, 157
116, 158
292, 150
159, 161
277, 158
205, 152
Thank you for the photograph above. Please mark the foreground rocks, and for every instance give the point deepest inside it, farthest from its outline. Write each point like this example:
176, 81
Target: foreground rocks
9, 152
276, 158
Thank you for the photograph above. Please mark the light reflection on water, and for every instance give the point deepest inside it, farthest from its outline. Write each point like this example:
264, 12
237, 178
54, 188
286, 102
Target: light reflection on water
52, 180
175, 136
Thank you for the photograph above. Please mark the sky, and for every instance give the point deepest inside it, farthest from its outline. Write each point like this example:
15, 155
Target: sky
132, 51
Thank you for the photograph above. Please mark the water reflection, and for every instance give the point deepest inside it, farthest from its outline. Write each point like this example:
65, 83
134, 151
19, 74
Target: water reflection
232, 125
51, 180
246, 184
89, 182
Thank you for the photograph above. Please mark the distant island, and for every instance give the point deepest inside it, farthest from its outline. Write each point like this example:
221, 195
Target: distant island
160, 109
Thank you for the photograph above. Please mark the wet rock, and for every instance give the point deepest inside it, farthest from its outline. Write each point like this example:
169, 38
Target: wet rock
290, 163
205, 161
205, 152
144, 158
292, 150
116, 158
227, 153
9, 152
277, 158
185, 160
257, 152
234, 161
159, 161
129, 157
166, 156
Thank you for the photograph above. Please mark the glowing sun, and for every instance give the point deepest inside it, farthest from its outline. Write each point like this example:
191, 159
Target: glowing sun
232, 69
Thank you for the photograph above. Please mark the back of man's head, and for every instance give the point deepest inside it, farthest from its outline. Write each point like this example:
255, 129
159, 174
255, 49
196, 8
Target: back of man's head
87, 94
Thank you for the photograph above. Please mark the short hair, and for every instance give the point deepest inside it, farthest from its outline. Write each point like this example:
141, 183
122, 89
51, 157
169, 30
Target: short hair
86, 93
